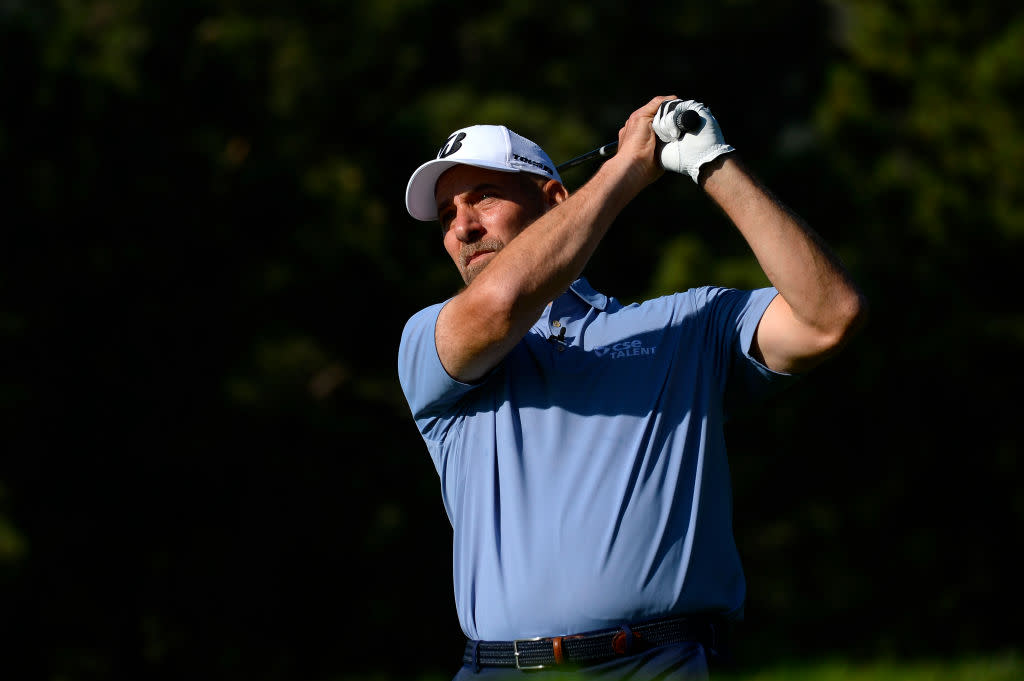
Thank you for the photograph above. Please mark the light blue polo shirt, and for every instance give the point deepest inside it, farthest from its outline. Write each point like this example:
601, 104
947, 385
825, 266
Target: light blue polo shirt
586, 478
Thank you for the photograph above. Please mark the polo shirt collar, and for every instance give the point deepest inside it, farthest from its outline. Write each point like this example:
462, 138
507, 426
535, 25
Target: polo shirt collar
582, 288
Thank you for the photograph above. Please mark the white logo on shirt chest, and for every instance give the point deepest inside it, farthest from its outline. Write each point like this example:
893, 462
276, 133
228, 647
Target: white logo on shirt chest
630, 348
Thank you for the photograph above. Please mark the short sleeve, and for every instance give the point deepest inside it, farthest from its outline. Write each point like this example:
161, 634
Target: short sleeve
736, 314
429, 390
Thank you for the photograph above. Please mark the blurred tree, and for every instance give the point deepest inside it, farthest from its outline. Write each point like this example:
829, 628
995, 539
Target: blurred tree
904, 504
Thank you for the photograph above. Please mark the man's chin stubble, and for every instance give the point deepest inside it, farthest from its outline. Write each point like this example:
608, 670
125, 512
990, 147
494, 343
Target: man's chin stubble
470, 273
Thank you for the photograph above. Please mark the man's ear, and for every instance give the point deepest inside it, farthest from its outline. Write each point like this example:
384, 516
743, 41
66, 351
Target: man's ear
554, 193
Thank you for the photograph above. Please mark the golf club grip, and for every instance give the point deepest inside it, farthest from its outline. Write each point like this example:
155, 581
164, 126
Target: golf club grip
688, 120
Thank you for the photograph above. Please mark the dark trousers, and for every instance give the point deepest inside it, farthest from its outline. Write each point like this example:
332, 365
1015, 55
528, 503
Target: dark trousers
686, 661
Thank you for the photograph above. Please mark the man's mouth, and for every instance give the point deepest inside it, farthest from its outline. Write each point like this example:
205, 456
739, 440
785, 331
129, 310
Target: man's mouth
476, 256
472, 253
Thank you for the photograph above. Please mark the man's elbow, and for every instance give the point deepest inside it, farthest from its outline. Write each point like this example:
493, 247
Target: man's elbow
849, 316
857, 310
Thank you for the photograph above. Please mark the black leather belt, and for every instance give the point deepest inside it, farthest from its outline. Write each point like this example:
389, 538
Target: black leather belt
592, 647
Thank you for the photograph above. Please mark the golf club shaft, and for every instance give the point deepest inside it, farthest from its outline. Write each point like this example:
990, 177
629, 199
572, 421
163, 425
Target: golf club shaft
604, 151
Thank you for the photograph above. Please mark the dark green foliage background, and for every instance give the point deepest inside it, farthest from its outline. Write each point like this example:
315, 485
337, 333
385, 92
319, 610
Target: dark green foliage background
208, 469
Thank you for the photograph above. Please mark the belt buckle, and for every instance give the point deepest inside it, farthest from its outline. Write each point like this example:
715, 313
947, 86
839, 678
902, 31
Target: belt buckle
515, 649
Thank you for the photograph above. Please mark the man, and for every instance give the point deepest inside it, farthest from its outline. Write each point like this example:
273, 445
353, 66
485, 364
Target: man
579, 442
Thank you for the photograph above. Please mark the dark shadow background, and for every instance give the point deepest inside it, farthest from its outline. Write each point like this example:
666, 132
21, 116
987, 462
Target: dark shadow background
208, 469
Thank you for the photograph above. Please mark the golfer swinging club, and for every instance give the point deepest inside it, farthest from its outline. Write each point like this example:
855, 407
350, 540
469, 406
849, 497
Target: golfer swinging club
579, 441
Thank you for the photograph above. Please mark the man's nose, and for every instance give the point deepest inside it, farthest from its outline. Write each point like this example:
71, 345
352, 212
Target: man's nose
467, 226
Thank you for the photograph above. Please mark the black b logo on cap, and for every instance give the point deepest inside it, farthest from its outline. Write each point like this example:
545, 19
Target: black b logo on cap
451, 145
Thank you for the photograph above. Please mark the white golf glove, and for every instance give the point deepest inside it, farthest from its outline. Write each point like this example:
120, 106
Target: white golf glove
687, 152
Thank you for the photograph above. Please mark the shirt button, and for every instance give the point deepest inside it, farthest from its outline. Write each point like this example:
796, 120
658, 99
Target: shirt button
556, 324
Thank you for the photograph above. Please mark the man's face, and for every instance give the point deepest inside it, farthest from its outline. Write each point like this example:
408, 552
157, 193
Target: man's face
481, 211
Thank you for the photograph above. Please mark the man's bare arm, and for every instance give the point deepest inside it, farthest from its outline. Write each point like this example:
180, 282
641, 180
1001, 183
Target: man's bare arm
482, 324
818, 307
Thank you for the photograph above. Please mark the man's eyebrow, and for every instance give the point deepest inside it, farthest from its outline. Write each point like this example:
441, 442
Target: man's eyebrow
485, 186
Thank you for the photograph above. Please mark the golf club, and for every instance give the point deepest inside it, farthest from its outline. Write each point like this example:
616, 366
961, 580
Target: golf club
687, 121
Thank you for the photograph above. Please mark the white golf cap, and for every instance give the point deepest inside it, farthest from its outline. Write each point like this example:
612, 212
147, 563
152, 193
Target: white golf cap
484, 146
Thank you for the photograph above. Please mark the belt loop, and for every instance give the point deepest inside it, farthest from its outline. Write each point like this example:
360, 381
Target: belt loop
629, 638
476, 657
622, 641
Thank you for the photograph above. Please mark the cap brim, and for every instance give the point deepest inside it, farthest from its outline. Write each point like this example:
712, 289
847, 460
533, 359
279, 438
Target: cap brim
420, 200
